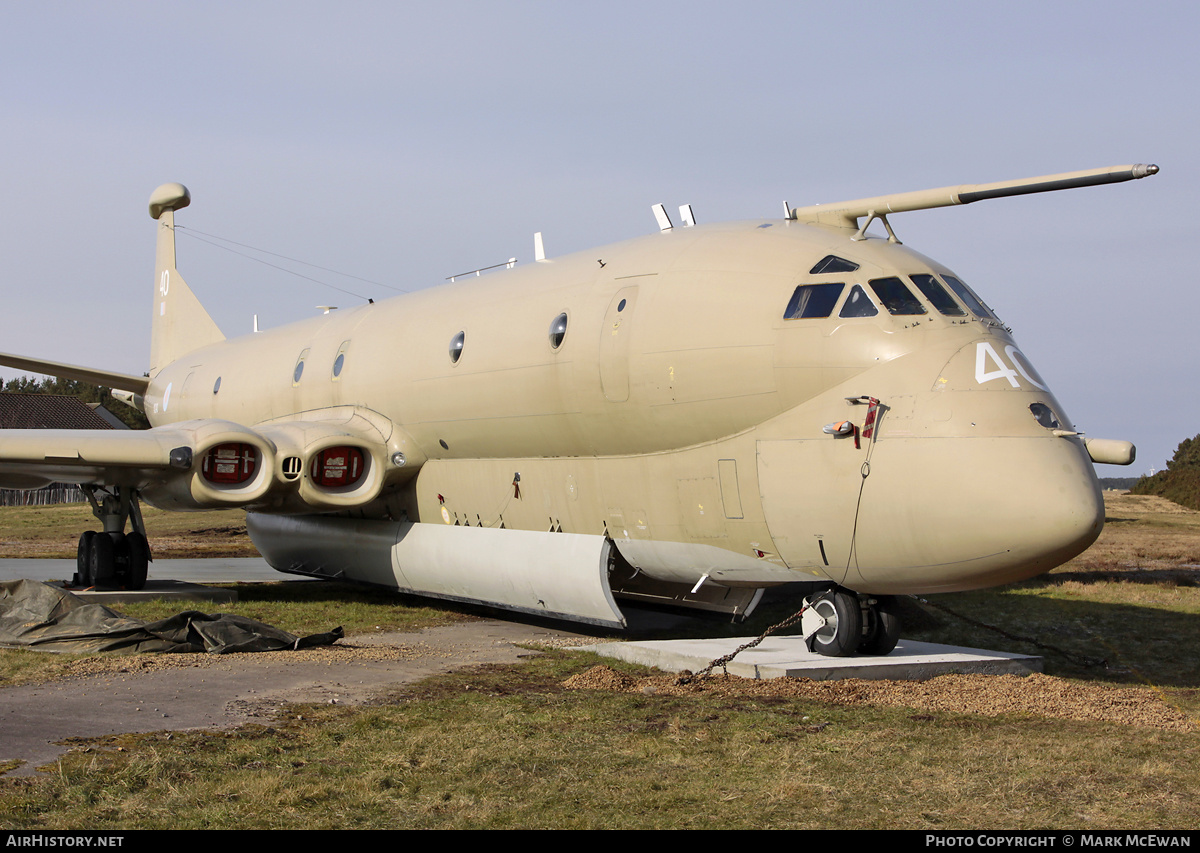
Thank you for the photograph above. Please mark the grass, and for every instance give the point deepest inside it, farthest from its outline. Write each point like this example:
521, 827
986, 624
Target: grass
53, 532
509, 747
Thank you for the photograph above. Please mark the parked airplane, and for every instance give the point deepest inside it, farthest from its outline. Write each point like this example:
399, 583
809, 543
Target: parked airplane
685, 418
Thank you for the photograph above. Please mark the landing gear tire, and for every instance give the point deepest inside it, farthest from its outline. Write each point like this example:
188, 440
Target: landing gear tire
881, 630
83, 560
842, 631
136, 552
102, 560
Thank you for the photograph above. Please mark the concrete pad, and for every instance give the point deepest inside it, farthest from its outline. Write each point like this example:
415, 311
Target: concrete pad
777, 657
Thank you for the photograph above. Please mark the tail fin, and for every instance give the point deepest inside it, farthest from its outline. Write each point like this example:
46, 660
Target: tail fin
180, 324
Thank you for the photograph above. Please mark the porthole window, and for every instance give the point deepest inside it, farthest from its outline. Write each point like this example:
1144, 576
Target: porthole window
217, 385
1045, 416
620, 306
558, 330
339, 362
299, 369
456, 347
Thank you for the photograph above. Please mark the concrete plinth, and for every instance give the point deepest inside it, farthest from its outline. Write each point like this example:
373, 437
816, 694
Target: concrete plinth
777, 657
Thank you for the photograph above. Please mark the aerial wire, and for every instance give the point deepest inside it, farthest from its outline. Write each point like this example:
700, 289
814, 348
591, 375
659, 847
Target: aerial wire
195, 234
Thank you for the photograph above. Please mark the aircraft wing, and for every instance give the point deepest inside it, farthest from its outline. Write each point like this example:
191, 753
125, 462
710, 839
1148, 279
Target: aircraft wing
289, 466
107, 378
31, 458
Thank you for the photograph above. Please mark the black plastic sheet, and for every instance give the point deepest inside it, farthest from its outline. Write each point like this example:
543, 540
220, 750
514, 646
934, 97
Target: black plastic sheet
38, 616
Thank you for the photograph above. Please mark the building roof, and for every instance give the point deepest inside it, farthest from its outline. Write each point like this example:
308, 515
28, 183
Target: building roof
48, 411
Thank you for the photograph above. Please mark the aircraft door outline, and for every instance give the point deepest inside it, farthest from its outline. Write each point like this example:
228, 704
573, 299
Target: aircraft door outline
615, 335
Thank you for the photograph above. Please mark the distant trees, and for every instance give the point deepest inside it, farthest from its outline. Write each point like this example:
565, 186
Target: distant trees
84, 391
1180, 480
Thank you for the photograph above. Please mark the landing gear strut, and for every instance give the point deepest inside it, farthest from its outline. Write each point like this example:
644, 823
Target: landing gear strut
113, 558
852, 624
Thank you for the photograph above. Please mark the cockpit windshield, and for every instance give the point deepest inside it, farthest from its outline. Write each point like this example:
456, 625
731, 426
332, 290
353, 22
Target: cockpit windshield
973, 302
896, 297
935, 293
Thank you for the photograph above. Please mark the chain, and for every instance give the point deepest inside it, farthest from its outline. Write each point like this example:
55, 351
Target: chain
722, 661
795, 617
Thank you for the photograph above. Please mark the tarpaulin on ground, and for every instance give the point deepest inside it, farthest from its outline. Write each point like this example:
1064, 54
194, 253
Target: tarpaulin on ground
38, 616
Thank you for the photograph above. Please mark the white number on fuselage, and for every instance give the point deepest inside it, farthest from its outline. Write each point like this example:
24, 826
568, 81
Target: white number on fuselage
984, 352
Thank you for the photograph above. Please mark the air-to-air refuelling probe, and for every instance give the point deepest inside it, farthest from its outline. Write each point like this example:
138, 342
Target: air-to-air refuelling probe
684, 418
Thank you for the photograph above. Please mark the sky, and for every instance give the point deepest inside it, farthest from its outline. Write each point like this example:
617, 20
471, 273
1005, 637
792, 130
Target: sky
402, 142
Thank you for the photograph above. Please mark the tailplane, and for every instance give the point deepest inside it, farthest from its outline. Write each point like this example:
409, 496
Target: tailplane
180, 324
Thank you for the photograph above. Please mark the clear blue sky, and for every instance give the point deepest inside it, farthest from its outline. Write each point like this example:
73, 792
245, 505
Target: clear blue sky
403, 142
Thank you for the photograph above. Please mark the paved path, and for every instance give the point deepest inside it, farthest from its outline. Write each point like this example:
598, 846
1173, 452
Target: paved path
208, 570
235, 689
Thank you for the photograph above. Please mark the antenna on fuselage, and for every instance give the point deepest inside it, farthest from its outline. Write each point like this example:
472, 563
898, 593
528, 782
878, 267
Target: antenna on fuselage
685, 213
660, 215
539, 250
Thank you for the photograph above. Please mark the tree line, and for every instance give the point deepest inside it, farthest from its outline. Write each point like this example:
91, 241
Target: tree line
1180, 480
85, 391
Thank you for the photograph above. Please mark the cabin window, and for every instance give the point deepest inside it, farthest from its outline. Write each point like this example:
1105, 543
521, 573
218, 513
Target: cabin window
299, 369
832, 263
456, 347
217, 385
938, 295
558, 330
973, 302
813, 300
339, 363
896, 298
858, 304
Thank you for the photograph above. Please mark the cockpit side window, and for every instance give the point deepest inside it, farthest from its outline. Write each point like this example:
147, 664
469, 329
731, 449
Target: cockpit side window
969, 298
813, 300
935, 293
896, 298
858, 304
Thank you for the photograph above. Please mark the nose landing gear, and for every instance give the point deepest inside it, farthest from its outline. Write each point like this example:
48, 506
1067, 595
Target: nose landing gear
845, 624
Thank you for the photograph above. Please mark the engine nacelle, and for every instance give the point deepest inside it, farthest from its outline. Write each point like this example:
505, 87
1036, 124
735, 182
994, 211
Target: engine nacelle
227, 465
321, 466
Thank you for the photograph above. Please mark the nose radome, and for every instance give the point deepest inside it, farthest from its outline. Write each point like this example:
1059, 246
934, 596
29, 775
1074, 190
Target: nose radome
962, 514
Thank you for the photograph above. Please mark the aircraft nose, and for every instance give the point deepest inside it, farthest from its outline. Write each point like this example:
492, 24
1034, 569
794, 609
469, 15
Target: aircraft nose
985, 512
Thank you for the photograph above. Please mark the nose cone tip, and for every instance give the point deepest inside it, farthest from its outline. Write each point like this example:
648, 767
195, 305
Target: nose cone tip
1067, 517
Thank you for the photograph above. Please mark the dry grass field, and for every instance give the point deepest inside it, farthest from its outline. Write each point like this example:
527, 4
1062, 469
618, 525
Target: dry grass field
53, 532
561, 741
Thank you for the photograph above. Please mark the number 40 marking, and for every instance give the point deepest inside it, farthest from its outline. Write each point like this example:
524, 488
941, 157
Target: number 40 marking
984, 351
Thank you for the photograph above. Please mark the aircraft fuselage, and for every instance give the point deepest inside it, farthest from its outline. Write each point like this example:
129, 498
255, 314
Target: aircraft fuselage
681, 414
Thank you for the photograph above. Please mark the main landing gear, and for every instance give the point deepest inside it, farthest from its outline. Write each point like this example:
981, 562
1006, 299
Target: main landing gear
113, 558
852, 624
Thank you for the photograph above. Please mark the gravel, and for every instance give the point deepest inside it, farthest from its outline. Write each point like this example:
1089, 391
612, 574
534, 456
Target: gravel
989, 695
